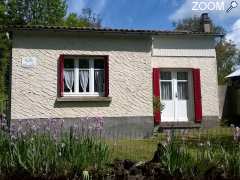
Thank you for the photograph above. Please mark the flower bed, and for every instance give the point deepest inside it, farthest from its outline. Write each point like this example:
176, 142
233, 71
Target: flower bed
47, 151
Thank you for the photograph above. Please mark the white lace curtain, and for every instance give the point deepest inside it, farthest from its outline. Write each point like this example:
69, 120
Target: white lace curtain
99, 80
166, 90
182, 89
69, 79
84, 78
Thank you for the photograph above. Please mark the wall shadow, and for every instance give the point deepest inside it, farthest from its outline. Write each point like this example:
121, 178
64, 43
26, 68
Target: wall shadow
63, 104
81, 41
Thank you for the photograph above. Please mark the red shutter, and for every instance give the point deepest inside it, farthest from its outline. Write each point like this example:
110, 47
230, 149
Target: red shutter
61, 76
197, 95
106, 76
156, 94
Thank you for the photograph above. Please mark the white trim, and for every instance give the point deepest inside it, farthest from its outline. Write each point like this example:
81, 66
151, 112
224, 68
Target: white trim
82, 94
91, 75
76, 75
91, 70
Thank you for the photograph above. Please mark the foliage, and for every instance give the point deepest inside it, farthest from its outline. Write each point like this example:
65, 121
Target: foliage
157, 105
53, 152
188, 155
41, 154
228, 56
44, 149
176, 160
4, 56
193, 24
86, 19
41, 12
2, 12
207, 159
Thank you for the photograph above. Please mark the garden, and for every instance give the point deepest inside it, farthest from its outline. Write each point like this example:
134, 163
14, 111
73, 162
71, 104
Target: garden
34, 150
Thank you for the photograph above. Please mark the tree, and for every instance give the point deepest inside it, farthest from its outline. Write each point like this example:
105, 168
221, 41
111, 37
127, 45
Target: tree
226, 52
72, 20
4, 52
86, 19
92, 19
194, 24
228, 57
4, 57
37, 12
2, 12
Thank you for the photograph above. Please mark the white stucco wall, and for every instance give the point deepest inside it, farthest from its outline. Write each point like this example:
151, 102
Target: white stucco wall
192, 55
34, 90
183, 46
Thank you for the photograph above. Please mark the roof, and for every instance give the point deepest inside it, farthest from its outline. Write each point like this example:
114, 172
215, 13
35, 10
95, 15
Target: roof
234, 74
102, 30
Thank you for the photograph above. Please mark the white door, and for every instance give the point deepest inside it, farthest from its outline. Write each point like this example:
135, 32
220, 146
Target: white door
175, 91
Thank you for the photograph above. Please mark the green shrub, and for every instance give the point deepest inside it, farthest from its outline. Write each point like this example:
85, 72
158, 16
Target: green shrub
41, 154
196, 161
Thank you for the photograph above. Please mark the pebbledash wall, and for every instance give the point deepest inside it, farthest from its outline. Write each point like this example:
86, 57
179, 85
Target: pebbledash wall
131, 58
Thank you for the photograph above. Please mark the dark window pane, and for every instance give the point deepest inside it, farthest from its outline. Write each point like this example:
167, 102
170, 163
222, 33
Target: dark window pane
99, 64
182, 76
165, 76
68, 63
99, 81
84, 63
68, 75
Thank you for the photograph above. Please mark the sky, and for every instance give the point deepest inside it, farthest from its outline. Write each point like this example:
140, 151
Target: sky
160, 14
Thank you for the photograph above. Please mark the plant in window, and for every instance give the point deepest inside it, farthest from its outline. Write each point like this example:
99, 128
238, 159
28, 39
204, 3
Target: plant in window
157, 105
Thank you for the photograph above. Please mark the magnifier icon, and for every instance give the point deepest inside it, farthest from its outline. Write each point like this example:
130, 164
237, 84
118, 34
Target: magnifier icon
233, 4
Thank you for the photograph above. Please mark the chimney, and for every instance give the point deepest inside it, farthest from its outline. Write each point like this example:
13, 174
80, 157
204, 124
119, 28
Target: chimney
206, 24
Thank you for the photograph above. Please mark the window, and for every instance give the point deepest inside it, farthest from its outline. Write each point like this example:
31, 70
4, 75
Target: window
84, 76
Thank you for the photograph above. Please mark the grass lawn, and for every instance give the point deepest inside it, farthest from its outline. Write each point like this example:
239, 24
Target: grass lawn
143, 149
138, 150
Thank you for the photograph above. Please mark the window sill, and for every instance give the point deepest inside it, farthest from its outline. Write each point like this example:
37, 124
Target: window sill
84, 99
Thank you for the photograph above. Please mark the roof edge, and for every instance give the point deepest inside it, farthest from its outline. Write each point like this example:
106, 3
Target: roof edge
13, 28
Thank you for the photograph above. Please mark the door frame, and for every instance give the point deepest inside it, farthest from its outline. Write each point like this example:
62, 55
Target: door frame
190, 103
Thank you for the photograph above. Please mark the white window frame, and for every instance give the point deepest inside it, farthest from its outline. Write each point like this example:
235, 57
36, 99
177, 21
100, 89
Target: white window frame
76, 77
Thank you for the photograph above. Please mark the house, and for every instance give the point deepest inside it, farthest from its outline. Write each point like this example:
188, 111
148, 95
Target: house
72, 73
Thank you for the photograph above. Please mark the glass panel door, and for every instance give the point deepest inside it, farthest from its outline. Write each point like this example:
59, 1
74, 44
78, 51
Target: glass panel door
174, 92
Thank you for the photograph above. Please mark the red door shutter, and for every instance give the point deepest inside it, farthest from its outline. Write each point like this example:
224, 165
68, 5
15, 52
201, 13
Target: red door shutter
156, 95
197, 95
61, 76
106, 76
